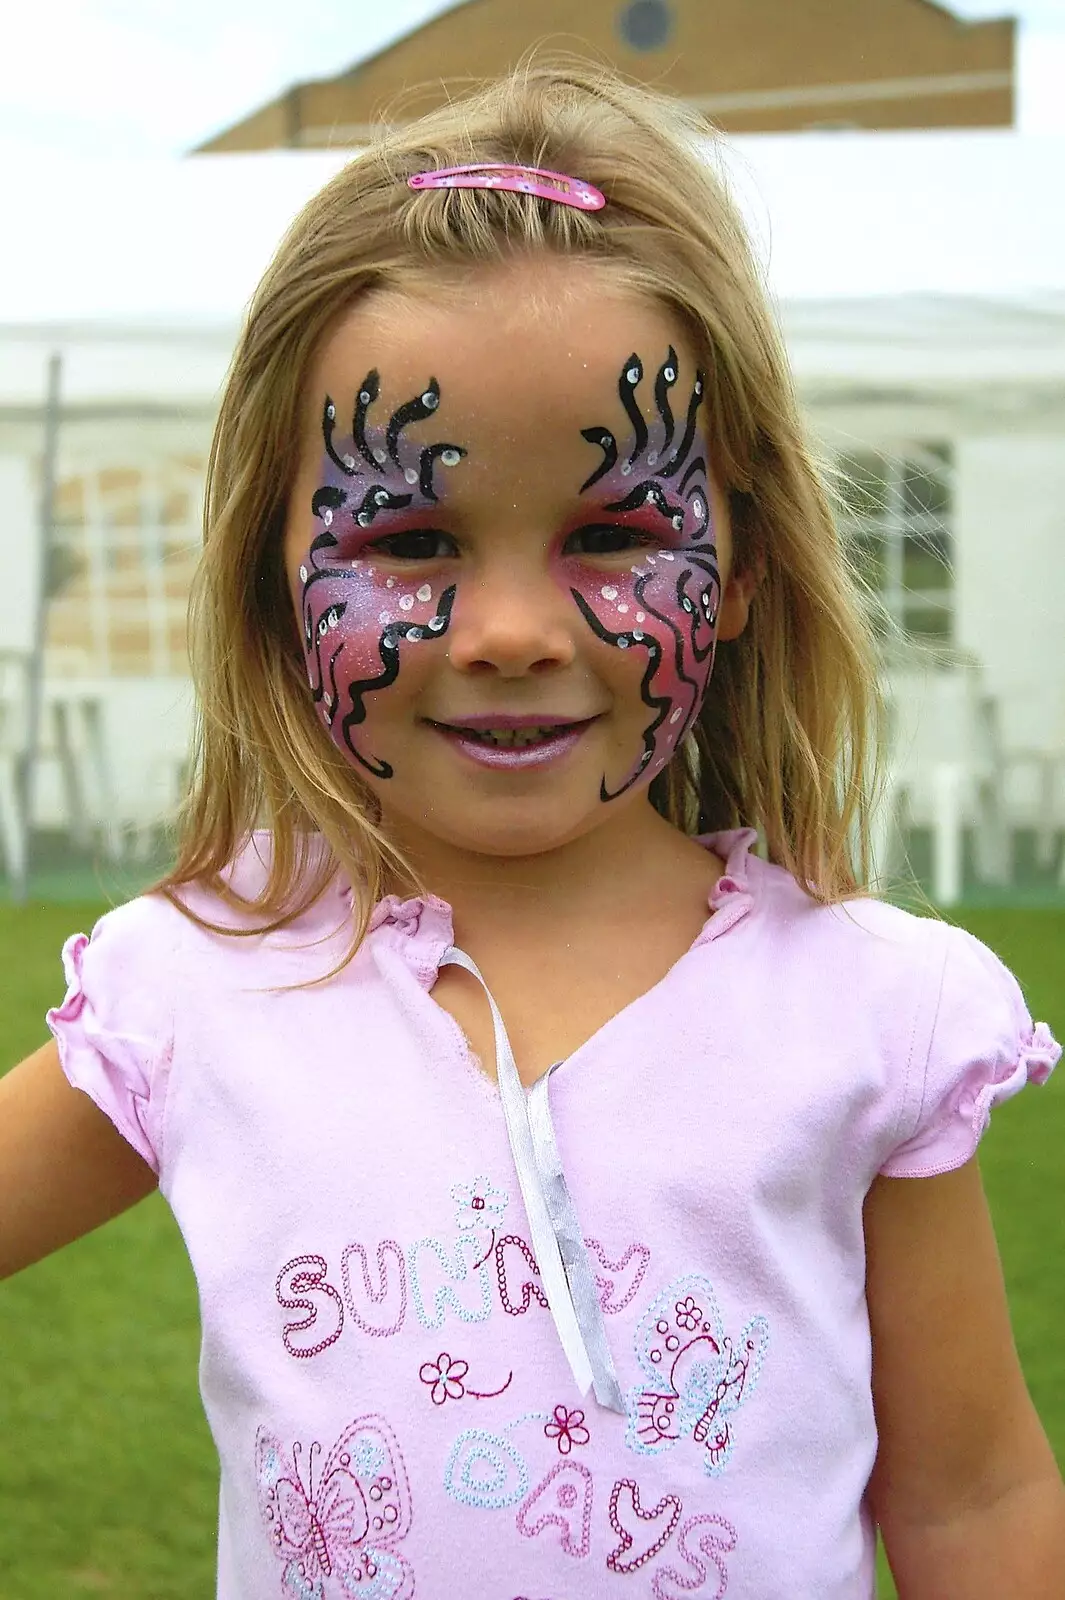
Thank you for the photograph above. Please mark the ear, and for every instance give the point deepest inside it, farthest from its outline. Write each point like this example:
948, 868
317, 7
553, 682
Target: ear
739, 592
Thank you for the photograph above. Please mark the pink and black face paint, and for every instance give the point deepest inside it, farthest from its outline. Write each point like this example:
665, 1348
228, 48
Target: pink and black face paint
357, 620
667, 604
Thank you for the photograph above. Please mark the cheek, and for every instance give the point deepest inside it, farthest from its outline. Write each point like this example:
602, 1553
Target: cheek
360, 629
663, 610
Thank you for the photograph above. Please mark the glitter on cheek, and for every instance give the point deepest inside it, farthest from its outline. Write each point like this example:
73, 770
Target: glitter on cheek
360, 630
673, 631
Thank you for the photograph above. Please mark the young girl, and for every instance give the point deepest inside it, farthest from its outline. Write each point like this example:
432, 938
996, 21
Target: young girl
543, 1153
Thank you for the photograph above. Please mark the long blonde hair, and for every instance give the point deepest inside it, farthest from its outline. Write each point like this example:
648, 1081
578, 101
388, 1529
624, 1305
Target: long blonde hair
787, 738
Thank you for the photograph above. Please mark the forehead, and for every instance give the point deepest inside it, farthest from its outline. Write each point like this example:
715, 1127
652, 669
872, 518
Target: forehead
528, 349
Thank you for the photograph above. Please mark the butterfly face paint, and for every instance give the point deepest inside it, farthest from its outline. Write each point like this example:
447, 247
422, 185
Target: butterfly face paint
358, 622
666, 605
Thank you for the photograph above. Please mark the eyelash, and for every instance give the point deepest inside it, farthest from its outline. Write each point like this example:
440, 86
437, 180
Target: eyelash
387, 546
625, 539
628, 539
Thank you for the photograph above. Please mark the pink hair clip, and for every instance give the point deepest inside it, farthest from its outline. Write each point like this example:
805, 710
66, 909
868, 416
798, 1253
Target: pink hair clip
538, 181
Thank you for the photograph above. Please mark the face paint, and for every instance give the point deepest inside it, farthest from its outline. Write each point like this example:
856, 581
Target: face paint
666, 604
357, 620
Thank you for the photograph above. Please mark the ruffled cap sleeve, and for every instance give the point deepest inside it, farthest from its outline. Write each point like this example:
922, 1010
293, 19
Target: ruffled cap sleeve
984, 1049
420, 930
111, 1029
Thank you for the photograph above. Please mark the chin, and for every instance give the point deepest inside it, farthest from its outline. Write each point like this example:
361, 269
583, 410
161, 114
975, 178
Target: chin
525, 831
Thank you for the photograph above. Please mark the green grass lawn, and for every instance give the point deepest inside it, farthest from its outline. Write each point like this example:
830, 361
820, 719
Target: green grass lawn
107, 1473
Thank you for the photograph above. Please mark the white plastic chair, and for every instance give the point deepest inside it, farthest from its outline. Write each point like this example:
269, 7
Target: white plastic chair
947, 766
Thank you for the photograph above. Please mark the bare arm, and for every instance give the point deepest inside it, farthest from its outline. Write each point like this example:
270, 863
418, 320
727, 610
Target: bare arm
64, 1167
965, 1489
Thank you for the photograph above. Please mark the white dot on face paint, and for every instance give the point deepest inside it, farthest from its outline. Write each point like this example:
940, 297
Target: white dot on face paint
327, 516
623, 643
450, 458
364, 396
676, 715
303, 574
637, 634
697, 507
429, 400
626, 468
406, 602
622, 606
425, 593
364, 519
410, 474
379, 455
385, 616
641, 616
330, 412
652, 457
669, 374
390, 583
678, 523
436, 623
349, 461
667, 555
633, 374
608, 593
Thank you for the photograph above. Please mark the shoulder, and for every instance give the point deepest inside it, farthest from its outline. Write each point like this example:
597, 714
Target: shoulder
861, 931
963, 983
141, 933
201, 933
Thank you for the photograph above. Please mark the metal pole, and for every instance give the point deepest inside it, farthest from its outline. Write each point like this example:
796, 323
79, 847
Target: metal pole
35, 669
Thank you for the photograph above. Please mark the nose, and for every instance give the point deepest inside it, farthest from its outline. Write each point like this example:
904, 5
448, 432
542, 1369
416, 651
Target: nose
511, 619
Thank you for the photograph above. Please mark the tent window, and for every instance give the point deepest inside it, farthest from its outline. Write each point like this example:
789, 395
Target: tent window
123, 550
895, 513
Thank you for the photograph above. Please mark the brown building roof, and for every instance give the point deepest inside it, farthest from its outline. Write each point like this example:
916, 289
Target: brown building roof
751, 65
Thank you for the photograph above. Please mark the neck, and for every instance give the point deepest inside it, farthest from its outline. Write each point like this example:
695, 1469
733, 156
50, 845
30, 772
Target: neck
632, 857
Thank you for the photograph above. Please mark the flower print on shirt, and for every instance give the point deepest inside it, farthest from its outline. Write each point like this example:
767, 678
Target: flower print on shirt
478, 1204
567, 1429
687, 1313
444, 1377
696, 1375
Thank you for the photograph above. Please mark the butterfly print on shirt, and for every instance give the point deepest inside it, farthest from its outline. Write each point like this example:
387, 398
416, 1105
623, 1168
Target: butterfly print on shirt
335, 1525
696, 1374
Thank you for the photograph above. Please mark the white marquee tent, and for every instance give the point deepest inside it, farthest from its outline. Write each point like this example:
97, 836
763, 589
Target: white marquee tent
920, 279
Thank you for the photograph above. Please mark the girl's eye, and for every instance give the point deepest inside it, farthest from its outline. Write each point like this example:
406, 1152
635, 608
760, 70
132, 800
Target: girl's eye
420, 544
606, 539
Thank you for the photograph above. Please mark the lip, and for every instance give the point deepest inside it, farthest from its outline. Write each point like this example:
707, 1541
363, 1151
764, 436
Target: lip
507, 720
513, 758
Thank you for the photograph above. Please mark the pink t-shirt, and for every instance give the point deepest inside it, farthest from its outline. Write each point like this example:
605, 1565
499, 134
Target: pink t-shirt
383, 1376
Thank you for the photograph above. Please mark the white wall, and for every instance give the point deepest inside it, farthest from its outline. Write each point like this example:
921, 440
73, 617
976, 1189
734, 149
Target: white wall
1010, 560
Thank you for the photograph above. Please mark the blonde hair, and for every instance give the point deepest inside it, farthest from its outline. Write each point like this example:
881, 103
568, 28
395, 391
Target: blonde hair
787, 738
